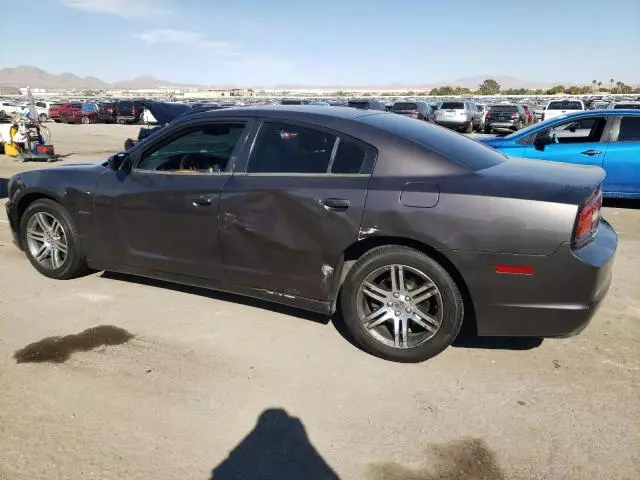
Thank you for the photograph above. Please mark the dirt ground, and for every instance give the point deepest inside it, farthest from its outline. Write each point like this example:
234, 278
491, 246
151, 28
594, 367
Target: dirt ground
114, 377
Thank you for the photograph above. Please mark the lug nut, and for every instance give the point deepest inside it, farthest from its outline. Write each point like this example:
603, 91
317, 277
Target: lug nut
396, 294
390, 304
397, 313
408, 310
407, 299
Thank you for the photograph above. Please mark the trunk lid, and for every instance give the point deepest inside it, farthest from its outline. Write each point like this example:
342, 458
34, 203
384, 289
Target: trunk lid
545, 181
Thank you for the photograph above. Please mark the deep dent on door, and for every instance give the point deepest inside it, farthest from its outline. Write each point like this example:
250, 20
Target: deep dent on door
284, 224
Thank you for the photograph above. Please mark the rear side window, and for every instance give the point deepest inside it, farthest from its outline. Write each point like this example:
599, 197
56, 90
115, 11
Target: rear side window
125, 106
283, 148
452, 106
453, 146
629, 129
76, 105
564, 105
404, 106
349, 157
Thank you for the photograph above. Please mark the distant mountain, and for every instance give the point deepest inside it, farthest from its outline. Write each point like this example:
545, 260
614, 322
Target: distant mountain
25, 75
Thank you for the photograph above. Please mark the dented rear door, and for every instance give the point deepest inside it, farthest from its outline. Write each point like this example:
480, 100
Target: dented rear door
284, 223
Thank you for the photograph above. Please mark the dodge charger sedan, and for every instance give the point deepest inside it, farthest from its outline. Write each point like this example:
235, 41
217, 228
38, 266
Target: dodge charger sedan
406, 228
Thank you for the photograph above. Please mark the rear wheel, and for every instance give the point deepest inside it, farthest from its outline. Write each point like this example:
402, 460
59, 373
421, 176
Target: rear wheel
51, 241
42, 117
488, 129
86, 120
469, 128
401, 305
122, 121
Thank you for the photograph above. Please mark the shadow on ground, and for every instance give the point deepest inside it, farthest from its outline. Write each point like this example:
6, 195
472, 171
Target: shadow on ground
59, 349
277, 448
467, 459
216, 295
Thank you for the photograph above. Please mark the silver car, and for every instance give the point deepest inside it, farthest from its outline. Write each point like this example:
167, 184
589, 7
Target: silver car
459, 115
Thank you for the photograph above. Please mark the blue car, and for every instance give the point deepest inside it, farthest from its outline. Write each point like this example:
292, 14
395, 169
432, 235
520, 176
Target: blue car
605, 138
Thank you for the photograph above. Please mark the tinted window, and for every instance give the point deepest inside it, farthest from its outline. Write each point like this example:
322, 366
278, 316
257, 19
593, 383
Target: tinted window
76, 105
504, 109
404, 106
633, 106
41, 104
349, 157
457, 148
564, 105
629, 129
205, 149
291, 102
452, 106
282, 148
122, 106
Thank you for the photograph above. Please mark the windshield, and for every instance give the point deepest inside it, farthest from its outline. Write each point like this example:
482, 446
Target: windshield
565, 105
536, 126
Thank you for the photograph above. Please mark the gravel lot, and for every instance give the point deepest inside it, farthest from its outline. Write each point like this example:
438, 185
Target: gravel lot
136, 379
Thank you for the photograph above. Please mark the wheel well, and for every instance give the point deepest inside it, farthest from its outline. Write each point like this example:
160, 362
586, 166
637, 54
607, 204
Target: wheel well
357, 250
27, 200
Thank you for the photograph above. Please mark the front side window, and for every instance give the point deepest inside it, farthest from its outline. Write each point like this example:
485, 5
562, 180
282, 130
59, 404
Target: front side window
584, 130
203, 149
629, 129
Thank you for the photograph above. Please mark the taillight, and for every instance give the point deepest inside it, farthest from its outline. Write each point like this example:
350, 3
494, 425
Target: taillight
133, 111
110, 110
588, 220
514, 115
414, 114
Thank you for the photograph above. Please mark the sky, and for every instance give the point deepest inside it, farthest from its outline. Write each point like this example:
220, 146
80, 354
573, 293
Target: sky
328, 42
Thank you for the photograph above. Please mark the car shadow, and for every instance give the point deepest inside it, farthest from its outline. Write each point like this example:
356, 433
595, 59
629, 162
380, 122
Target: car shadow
278, 447
222, 296
629, 203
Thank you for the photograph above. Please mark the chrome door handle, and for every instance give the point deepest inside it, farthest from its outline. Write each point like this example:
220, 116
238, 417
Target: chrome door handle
591, 153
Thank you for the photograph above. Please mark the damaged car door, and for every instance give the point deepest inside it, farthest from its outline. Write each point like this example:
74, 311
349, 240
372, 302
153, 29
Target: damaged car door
290, 213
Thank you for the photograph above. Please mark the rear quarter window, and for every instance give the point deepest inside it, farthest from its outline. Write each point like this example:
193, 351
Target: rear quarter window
564, 105
451, 145
404, 106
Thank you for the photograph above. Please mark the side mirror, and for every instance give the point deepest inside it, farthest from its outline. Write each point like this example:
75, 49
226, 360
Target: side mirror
542, 140
119, 162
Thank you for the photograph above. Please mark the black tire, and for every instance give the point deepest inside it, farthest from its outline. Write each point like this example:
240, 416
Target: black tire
453, 307
518, 126
469, 128
57, 121
43, 117
85, 120
122, 121
74, 264
488, 129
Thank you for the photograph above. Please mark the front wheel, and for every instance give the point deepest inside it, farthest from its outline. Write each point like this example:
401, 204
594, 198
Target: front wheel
50, 240
401, 305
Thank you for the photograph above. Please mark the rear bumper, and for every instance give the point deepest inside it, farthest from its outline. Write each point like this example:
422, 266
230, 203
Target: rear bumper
502, 123
453, 122
558, 300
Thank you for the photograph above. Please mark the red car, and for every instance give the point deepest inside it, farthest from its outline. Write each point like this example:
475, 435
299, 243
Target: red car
55, 111
531, 117
80, 113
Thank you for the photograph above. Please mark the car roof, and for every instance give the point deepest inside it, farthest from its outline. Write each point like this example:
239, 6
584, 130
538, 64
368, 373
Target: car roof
294, 111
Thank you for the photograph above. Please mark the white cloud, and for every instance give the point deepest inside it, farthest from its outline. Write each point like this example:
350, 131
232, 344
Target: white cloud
179, 37
122, 8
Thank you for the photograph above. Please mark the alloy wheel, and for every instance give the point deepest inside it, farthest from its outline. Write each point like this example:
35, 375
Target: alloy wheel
399, 306
47, 240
